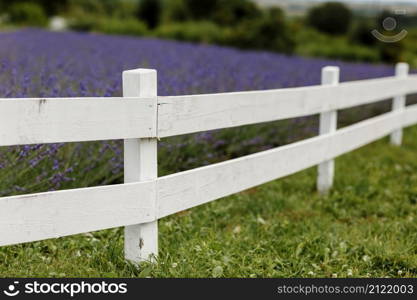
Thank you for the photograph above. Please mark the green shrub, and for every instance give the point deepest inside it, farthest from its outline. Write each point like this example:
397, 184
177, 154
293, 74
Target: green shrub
150, 12
82, 22
410, 45
49, 7
331, 17
26, 13
201, 9
361, 33
391, 52
269, 32
128, 26
174, 11
411, 58
109, 8
315, 44
221, 12
233, 12
343, 51
117, 26
202, 32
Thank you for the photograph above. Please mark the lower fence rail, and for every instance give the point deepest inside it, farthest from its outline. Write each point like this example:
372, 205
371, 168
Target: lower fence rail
47, 215
187, 189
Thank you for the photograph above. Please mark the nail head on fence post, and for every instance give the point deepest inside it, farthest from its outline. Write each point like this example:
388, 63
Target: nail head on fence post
140, 163
328, 124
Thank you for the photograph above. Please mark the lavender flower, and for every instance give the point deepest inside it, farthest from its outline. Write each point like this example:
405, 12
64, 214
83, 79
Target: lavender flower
37, 63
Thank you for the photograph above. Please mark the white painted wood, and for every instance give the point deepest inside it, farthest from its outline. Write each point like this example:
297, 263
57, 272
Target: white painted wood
187, 189
187, 114
53, 120
55, 214
409, 116
328, 124
398, 103
141, 240
144, 198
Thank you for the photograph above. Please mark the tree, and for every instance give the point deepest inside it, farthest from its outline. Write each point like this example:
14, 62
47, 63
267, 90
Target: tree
150, 12
269, 32
201, 9
391, 52
49, 7
331, 17
27, 13
175, 11
362, 33
232, 12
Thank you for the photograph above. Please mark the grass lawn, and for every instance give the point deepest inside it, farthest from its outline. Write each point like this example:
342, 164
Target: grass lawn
366, 227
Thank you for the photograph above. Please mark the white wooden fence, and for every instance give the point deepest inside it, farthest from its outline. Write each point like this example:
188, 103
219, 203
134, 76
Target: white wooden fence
141, 118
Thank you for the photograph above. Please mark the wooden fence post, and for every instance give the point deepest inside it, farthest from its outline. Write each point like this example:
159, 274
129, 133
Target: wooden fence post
328, 124
140, 163
401, 71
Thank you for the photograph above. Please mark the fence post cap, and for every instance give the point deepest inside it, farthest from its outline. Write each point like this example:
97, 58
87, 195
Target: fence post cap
139, 71
402, 69
330, 75
331, 69
140, 83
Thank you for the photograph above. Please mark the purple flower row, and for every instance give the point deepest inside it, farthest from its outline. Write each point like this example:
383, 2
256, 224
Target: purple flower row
37, 63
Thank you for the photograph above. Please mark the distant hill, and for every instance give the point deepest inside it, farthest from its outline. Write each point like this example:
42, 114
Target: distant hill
363, 7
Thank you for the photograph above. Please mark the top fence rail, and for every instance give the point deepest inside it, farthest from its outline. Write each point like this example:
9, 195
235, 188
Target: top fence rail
53, 120
189, 114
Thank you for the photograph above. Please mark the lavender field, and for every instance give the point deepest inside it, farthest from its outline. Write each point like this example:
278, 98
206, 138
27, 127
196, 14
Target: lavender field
36, 63
364, 228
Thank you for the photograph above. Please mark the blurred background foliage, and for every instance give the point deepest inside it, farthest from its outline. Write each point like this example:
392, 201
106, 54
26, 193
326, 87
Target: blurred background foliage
330, 29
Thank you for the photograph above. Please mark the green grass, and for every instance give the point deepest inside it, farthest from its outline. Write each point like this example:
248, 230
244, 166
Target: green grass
366, 227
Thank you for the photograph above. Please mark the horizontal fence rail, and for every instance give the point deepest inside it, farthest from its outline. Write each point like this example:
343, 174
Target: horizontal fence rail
187, 189
55, 214
89, 119
54, 120
189, 114
140, 117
